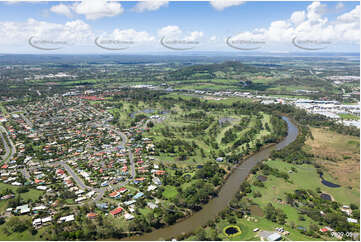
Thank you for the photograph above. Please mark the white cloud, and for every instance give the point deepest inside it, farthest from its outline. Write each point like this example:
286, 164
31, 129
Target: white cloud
195, 35
315, 11
352, 16
131, 35
310, 24
222, 4
95, 9
169, 31
298, 17
150, 5
19, 32
173, 31
213, 38
92, 9
62, 9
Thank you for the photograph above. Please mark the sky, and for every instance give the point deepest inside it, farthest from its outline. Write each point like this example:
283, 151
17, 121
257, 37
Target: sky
100, 26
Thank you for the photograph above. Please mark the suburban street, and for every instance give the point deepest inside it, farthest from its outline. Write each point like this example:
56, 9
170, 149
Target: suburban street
100, 191
13, 149
7, 150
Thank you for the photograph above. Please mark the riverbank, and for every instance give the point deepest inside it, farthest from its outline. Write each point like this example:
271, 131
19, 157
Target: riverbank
225, 195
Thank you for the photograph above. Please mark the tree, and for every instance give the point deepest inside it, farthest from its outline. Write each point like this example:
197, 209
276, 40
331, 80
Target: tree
150, 124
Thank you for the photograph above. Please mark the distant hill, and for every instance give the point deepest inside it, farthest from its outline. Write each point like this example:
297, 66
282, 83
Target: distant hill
209, 71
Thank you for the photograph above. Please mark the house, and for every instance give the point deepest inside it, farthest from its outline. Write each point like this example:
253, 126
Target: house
122, 190
114, 195
46, 219
91, 215
151, 188
352, 220
219, 159
68, 218
37, 181
60, 172
138, 195
152, 205
23, 209
346, 209
139, 180
274, 237
157, 181
42, 188
37, 222
79, 192
127, 203
102, 206
323, 230
116, 211
90, 194
128, 216
41, 207
80, 199
160, 172
8, 196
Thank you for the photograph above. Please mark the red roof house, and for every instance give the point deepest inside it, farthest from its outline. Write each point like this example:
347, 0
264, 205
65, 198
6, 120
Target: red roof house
116, 211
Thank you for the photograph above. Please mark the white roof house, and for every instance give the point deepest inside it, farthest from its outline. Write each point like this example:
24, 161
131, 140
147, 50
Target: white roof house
152, 205
274, 237
352, 220
37, 222
151, 188
41, 207
47, 219
68, 218
43, 188
128, 216
79, 199
23, 208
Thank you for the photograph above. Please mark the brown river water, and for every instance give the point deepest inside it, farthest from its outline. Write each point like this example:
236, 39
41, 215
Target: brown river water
225, 195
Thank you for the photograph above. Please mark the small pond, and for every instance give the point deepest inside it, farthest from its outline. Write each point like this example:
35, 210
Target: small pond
232, 231
262, 178
327, 183
325, 196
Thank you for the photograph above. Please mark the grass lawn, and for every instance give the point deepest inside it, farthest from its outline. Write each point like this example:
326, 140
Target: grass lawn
31, 194
2, 109
23, 236
338, 154
170, 192
306, 177
247, 227
347, 116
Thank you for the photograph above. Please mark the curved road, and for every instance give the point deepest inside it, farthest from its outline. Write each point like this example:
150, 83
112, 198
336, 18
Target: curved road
100, 191
13, 149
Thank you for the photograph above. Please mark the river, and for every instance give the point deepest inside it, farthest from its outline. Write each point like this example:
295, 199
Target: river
225, 195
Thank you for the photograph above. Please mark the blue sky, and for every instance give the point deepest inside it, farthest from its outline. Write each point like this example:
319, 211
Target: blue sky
203, 22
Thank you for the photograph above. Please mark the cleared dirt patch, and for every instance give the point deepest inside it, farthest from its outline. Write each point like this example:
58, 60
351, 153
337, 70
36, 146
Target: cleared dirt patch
256, 211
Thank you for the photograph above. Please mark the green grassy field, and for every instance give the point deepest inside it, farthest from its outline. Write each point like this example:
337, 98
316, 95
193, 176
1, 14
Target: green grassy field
32, 194
347, 116
306, 177
170, 192
247, 225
